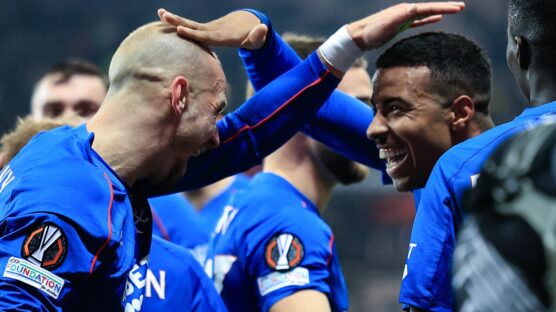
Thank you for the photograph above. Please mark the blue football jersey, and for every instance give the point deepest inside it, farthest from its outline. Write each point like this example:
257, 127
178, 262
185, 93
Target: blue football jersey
176, 281
69, 240
211, 212
177, 221
269, 243
426, 277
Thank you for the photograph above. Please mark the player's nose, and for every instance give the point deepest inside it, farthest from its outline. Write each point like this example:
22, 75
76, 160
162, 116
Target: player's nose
377, 130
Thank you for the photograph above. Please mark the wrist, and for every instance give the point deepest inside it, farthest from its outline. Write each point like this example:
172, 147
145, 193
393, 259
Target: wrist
356, 31
340, 50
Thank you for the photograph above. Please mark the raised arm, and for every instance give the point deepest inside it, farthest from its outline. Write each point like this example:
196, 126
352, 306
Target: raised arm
342, 122
263, 123
254, 131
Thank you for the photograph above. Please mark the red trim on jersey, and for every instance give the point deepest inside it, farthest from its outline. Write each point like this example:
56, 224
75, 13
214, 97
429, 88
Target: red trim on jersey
109, 226
330, 243
247, 127
160, 225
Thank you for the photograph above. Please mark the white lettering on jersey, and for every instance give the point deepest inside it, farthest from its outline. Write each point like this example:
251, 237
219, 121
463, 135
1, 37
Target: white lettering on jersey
411, 246
218, 271
474, 180
224, 222
159, 284
276, 280
35, 276
6, 176
133, 295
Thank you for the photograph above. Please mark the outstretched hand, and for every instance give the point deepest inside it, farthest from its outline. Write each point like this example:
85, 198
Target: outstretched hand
375, 30
239, 29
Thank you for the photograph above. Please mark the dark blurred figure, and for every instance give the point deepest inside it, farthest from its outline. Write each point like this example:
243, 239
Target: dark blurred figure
506, 255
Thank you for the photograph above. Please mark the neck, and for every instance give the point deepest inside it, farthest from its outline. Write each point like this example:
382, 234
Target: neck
125, 142
200, 197
542, 92
479, 124
305, 173
542, 85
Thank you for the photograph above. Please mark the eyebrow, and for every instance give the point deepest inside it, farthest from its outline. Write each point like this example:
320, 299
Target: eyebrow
391, 100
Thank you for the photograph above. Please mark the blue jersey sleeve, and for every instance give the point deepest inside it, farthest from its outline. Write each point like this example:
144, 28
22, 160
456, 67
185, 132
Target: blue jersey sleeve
426, 279
60, 235
341, 123
292, 254
263, 123
44, 262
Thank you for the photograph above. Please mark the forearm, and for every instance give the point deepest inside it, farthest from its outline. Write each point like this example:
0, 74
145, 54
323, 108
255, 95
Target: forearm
303, 300
274, 58
342, 121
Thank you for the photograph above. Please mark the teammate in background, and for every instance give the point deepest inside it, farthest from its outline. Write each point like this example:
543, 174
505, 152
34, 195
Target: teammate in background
209, 203
271, 250
174, 279
26, 128
164, 117
210, 200
505, 257
74, 87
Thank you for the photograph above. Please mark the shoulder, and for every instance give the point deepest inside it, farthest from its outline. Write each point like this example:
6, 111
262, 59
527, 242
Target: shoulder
264, 215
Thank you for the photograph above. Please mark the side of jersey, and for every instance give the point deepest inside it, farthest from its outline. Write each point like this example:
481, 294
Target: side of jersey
270, 243
426, 279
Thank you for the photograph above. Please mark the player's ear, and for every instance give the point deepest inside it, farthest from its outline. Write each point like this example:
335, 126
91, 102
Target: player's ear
460, 113
522, 52
180, 91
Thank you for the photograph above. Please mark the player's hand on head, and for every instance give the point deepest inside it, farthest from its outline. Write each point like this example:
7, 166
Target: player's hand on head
375, 30
239, 29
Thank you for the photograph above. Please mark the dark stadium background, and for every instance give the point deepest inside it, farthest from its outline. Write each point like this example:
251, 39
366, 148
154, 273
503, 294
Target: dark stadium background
371, 223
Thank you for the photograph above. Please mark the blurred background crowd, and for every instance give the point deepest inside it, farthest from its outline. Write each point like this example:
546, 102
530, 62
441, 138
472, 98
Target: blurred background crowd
372, 223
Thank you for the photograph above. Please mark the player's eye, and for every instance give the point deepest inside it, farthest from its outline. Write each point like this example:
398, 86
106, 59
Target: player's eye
53, 110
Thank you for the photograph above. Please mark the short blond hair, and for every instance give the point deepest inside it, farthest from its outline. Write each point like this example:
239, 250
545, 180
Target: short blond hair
12, 142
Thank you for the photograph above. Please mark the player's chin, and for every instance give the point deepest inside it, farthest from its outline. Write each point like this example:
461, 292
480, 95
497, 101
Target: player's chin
402, 184
170, 182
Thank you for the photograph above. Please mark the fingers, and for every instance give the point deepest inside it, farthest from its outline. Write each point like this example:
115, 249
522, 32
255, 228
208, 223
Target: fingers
434, 8
202, 36
176, 20
426, 21
256, 38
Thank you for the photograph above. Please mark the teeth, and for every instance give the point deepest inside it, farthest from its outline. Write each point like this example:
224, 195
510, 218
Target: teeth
389, 155
384, 153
